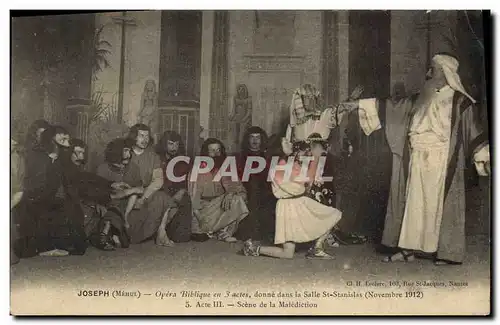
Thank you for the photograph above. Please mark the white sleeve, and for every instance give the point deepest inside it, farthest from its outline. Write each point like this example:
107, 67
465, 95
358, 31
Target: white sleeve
481, 157
368, 115
288, 135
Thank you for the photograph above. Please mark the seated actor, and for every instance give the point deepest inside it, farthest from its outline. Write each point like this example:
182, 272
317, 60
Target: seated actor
218, 206
169, 147
154, 209
51, 220
97, 196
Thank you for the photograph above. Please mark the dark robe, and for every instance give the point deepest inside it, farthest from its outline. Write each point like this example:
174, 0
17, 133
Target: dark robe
95, 190
466, 137
260, 223
48, 214
179, 229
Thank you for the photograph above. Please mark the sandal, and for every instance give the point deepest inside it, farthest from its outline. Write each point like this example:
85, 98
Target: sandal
318, 254
250, 248
406, 257
105, 243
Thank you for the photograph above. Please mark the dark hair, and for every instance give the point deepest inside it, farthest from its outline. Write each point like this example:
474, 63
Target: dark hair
31, 138
246, 137
274, 147
209, 141
134, 131
47, 139
78, 143
114, 150
161, 147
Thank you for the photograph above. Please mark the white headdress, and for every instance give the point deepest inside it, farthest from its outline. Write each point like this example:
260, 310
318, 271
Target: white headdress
450, 68
297, 103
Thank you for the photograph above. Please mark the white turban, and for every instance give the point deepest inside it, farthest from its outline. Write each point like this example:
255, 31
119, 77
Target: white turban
305, 90
450, 68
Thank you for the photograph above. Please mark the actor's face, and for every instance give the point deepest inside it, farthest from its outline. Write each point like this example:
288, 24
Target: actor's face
172, 148
309, 103
126, 155
300, 112
214, 150
435, 72
254, 141
142, 140
78, 156
39, 134
62, 140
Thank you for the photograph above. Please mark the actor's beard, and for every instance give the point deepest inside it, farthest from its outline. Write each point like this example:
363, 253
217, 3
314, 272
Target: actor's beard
218, 161
172, 154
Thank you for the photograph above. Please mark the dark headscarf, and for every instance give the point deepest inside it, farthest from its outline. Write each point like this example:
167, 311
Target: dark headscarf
47, 142
114, 150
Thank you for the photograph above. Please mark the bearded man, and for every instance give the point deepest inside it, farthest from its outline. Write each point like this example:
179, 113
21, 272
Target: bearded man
154, 210
430, 136
218, 205
51, 219
169, 147
97, 196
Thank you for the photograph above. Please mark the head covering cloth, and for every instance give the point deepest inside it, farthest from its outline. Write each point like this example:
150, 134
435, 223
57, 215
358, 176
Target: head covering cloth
450, 68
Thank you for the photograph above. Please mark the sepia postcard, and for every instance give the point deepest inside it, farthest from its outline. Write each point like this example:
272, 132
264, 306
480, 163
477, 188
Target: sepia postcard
250, 162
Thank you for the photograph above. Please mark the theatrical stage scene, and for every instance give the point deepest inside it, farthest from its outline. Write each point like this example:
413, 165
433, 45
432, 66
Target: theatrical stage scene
159, 152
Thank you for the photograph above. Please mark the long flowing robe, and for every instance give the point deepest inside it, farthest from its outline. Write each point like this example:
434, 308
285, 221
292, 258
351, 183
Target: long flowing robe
259, 224
465, 139
144, 222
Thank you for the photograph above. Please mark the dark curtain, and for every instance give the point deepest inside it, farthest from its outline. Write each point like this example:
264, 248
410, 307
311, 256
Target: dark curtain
369, 66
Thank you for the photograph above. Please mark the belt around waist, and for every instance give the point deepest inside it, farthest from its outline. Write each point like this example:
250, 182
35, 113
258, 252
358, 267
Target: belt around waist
208, 198
428, 141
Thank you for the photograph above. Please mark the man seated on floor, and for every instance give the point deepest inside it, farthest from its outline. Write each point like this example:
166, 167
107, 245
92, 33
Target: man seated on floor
119, 168
51, 221
154, 210
103, 218
168, 148
218, 205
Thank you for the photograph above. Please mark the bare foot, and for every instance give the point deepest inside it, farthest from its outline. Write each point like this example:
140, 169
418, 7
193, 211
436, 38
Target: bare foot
402, 256
163, 240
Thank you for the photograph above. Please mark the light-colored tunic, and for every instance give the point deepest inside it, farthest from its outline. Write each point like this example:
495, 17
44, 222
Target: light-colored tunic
299, 219
426, 209
207, 196
429, 133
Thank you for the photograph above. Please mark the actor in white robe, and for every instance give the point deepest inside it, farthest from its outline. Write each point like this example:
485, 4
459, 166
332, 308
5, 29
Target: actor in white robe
426, 209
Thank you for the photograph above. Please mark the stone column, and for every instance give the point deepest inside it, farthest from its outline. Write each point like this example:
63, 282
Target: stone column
219, 102
79, 118
207, 46
343, 53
